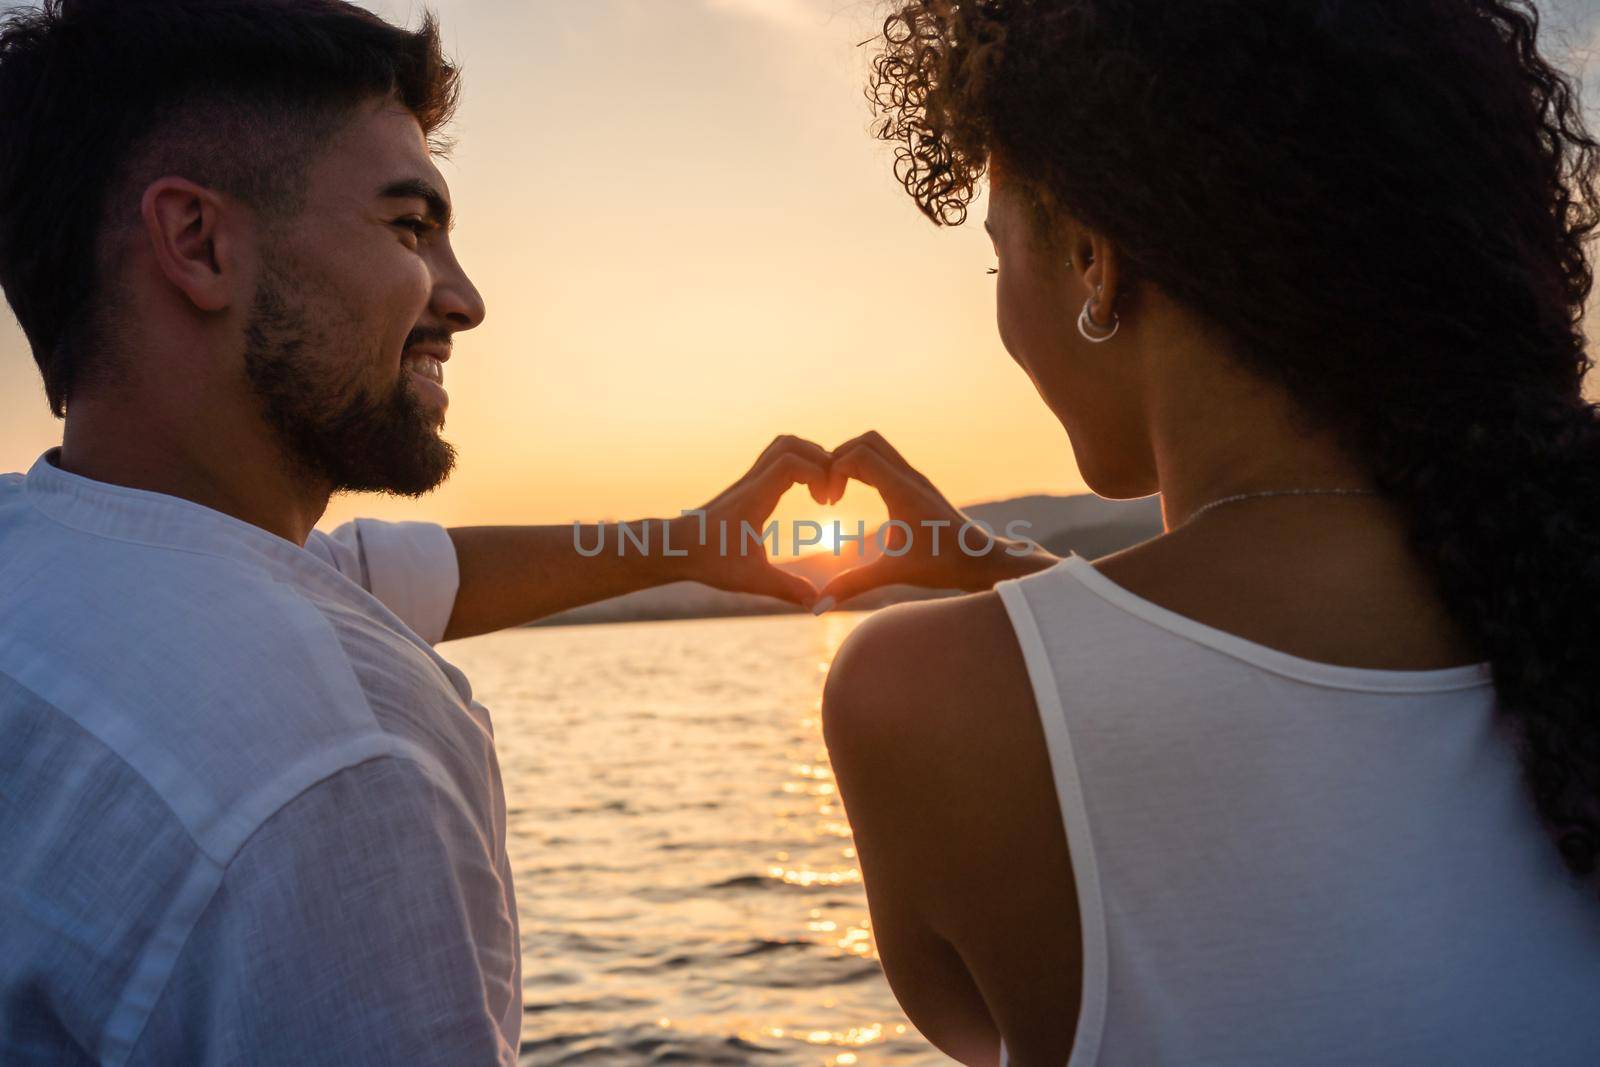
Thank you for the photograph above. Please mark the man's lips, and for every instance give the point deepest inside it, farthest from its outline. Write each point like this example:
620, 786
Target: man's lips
439, 352
426, 364
426, 360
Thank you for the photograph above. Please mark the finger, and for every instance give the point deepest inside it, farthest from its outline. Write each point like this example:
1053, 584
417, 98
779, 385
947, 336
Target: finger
776, 582
838, 481
875, 441
789, 443
879, 443
820, 490
772, 481
858, 580
866, 464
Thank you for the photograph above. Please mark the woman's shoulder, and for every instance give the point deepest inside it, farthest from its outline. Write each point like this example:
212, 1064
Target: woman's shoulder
936, 696
1345, 593
926, 663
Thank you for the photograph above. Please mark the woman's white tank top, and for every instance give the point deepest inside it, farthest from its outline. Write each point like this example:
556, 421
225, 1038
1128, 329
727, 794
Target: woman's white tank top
1286, 862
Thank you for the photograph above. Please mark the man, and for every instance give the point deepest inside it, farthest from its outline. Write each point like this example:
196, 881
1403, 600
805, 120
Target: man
246, 812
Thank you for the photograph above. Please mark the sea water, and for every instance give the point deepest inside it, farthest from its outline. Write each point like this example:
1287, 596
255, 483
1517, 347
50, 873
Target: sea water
687, 886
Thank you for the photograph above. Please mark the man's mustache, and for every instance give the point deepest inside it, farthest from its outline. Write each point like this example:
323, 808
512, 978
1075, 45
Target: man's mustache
422, 335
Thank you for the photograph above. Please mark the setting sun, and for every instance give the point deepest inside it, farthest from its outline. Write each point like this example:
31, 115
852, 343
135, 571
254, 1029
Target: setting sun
829, 534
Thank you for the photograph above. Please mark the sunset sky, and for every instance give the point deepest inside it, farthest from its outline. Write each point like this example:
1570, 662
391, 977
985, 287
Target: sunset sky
689, 243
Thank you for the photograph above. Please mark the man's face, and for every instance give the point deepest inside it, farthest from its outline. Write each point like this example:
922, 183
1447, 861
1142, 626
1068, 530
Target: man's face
353, 313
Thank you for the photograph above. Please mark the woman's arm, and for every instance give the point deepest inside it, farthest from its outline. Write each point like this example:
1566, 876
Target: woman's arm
945, 548
941, 761
890, 765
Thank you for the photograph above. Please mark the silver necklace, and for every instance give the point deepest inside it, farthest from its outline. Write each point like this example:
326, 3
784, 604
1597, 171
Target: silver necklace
1197, 512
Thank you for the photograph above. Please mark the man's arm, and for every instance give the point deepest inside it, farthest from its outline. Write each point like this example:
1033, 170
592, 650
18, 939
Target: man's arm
510, 575
515, 574
409, 566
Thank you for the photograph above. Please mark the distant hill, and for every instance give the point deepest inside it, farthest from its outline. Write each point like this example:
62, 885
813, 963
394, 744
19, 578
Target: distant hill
1083, 523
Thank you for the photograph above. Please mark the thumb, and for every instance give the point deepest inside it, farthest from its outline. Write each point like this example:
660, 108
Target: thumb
858, 580
775, 582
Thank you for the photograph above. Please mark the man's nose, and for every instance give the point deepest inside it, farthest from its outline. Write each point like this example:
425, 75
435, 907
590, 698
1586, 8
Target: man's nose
456, 299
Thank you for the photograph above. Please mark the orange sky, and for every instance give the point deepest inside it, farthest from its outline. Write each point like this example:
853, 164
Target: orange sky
688, 243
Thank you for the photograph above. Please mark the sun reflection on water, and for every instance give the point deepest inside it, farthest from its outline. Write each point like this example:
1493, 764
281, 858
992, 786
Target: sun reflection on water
852, 936
856, 1036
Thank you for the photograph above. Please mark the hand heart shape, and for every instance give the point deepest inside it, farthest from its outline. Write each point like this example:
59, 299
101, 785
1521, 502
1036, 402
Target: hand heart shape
914, 505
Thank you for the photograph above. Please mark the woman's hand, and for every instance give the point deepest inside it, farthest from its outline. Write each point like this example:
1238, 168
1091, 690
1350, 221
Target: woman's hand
937, 545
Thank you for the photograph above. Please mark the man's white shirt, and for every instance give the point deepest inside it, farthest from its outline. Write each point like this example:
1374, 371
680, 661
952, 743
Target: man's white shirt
247, 813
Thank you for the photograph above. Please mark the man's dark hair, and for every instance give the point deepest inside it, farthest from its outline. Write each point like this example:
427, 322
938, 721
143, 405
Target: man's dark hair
100, 97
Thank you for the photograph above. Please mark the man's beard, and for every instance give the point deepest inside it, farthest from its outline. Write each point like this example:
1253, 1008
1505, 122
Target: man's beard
330, 427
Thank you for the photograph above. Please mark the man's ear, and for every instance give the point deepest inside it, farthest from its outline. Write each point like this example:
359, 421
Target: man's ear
193, 237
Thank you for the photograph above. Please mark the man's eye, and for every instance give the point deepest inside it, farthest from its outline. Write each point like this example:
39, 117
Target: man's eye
993, 270
415, 224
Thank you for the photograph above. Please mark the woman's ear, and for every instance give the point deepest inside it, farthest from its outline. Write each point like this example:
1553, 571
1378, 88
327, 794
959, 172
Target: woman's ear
1100, 270
1079, 247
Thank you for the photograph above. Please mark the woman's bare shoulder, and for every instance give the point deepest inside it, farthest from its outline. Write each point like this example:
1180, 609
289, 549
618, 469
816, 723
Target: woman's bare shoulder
1344, 592
929, 662
933, 700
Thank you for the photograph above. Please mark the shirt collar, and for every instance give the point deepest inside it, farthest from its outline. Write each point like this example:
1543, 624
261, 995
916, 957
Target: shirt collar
129, 514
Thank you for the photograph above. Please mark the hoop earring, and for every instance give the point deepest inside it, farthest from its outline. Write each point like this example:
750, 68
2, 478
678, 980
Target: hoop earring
1093, 331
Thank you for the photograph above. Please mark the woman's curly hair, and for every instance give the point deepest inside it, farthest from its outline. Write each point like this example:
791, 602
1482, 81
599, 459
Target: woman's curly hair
1385, 206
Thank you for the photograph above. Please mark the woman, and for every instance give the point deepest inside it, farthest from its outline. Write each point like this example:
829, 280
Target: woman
1311, 777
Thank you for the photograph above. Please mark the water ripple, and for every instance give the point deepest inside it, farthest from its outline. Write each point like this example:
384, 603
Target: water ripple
685, 878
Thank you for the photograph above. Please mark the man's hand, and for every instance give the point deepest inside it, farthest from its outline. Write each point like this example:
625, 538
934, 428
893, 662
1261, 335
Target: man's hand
514, 574
936, 553
743, 567
510, 575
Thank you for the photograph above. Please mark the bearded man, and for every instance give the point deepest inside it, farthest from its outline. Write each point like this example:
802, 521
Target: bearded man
247, 813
